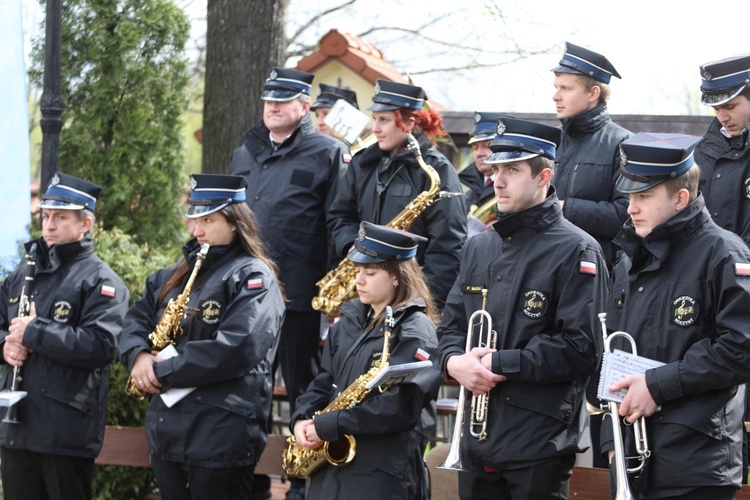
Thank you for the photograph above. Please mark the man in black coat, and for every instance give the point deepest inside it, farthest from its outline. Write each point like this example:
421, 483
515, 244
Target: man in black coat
542, 307
478, 176
291, 172
61, 347
681, 291
724, 152
587, 162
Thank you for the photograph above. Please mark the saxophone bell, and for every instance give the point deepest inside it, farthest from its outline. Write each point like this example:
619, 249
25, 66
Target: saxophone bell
301, 462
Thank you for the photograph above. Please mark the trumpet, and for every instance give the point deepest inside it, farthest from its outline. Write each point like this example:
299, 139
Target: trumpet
480, 323
639, 427
24, 308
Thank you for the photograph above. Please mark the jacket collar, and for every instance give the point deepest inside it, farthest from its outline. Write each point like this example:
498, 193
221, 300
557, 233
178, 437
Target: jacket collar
358, 312
261, 133
658, 244
372, 156
587, 122
532, 219
49, 259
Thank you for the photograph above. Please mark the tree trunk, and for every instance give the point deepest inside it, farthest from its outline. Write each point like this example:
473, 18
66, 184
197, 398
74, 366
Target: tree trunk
244, 39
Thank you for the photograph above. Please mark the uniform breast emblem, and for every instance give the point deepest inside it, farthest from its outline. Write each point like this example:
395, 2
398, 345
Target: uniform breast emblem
684, 311
534, 304
210, 312
61, 311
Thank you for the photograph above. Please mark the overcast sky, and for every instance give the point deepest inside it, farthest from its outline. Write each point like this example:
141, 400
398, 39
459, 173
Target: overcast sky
656, 45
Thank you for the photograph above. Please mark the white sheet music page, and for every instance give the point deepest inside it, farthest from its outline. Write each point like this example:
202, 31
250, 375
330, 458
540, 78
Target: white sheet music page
616, 366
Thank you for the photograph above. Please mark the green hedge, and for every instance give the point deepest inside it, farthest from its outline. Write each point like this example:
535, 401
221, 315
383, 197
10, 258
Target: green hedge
133, 263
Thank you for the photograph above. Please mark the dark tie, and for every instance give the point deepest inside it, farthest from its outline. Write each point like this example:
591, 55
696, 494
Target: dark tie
488, 182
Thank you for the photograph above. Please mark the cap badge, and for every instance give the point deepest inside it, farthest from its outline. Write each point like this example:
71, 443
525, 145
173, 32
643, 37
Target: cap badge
377, 88
361, 234
273, 75
500, 127
706, 75
55, 180
623, 157
193, 183
477, 118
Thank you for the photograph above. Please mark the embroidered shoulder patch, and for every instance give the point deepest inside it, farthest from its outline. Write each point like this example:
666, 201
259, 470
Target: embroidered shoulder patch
587, 267
254, 284
108, 291
421, 355
742, 269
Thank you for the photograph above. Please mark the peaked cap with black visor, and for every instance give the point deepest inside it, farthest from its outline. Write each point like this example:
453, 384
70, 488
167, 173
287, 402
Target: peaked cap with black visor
66, 192
212, 192
581, 61
376, 243
519, 140
648, 159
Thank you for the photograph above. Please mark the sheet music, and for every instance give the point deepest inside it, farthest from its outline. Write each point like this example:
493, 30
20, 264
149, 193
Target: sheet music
9, 398
398, 374
616, 366
172, 396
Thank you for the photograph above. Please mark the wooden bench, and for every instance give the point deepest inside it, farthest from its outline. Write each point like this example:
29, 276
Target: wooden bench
593, 484
128, 446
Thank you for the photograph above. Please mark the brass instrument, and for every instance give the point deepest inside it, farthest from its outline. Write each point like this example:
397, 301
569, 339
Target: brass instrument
337, 286
168, 328
485, 213
24, 308
480, 323
302, 462
639, 427
361, 143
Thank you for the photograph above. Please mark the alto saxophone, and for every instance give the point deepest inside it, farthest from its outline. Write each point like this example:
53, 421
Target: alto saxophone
168, 328
302, 462
337, 286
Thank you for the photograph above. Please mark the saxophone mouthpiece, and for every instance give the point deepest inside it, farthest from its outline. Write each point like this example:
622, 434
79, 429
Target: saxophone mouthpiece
204, 249
389, 316
414, 145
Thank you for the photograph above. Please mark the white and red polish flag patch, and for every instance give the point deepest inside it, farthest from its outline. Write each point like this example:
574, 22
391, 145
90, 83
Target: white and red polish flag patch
254, 284
587, 267
742, 269
108, 291
421, 355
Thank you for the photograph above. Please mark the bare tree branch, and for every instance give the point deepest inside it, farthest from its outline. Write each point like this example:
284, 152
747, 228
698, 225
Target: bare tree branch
315, 19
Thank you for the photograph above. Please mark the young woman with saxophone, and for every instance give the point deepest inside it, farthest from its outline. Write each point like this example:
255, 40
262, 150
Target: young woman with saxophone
387, 426
208, 442
384, 178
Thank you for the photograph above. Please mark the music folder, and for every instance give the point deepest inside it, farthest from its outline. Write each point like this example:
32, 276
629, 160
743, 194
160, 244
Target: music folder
175, 394
617, 365
399, 374
9, 398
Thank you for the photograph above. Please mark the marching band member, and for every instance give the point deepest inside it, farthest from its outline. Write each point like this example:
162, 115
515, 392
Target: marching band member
62, 349
544, 278
384, 178
207, 444
682, 293
389, 427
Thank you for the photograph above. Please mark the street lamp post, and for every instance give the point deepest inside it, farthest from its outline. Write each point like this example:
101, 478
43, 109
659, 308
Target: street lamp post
51, 103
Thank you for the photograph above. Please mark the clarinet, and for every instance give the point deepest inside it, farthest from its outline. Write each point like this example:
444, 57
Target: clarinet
24, 307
